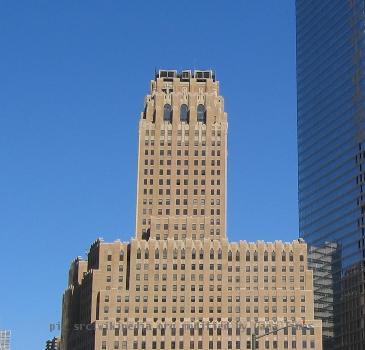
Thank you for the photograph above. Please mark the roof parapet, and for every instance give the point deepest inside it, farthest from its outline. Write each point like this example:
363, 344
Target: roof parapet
185, 75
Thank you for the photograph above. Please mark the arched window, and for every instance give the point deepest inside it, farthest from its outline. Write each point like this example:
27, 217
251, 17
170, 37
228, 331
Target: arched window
229, 256
146, 254
193, 254
283, 256
183, 253
220, 254
273, 256
237, 256
201, 115
175, 254
164, 253
157, 254
211, 254
139, 253
255, 256
266, 256
201, 255
184, 113
167, 113
121, 256
248, 256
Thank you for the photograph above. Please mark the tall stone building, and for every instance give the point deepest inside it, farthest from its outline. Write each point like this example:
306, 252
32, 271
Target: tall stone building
5, 339
53, 344
182, 159
179, 283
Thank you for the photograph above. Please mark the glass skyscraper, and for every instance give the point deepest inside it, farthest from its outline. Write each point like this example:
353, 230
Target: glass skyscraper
331, 151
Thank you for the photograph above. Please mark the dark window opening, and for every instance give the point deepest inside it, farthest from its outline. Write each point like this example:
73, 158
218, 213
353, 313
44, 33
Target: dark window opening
184, 113
201, 114
167, 113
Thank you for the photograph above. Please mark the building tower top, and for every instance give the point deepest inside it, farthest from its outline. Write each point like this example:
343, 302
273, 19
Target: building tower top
181, 189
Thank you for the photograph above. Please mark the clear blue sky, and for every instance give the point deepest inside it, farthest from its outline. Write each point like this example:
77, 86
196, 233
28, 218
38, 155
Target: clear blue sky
73, 75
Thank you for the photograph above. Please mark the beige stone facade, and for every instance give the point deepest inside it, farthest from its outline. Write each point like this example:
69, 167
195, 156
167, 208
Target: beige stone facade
182, 158
180, 284
53, 344
5, 339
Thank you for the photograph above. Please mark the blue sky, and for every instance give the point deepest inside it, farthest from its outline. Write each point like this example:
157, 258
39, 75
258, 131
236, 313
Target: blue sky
73, 75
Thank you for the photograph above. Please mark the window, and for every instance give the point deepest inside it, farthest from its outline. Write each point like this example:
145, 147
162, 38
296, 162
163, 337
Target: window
229, 256
201, 114
201, 254
167, 113
184, 113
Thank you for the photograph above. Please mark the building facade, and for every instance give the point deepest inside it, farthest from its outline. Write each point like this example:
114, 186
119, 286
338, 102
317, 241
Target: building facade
182, 158
5, 339
331, 153
53, 344
179, 283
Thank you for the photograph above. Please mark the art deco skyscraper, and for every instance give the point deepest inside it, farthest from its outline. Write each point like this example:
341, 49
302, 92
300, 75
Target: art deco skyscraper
179, 283
182, 158
331, 152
